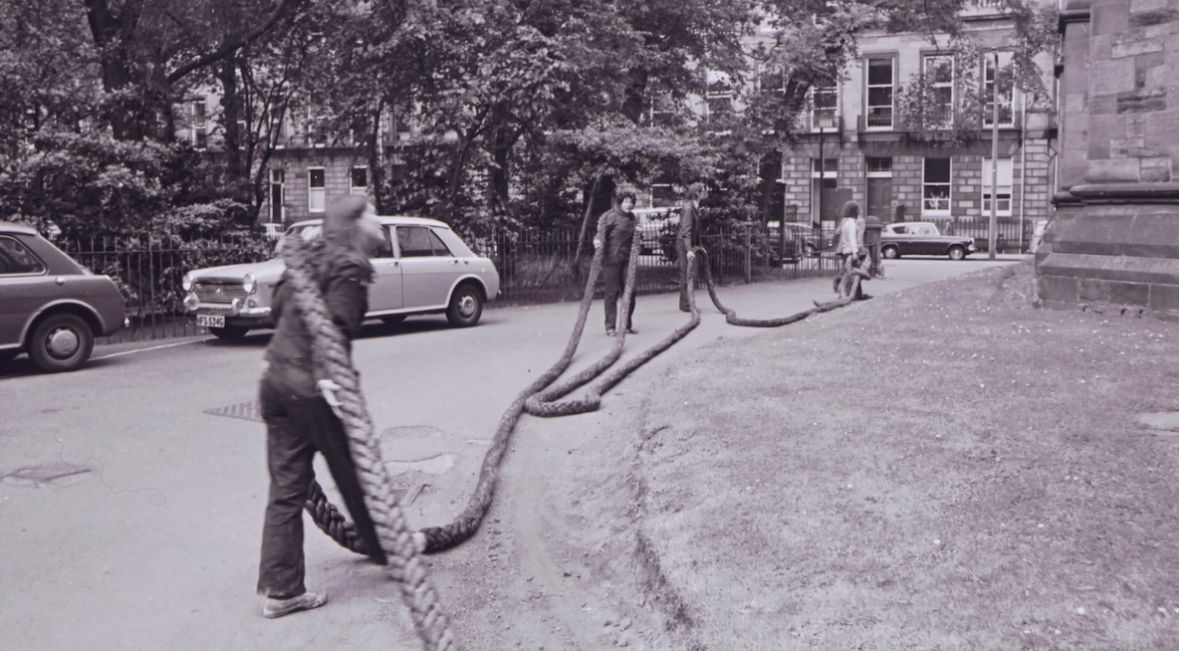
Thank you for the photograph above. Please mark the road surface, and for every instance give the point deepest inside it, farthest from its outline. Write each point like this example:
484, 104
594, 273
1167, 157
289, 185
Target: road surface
132, 491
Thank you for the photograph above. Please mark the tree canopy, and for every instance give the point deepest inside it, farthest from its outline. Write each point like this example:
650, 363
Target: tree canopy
518, 107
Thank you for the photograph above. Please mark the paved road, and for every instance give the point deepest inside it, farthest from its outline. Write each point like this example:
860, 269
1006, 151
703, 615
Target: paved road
153, 541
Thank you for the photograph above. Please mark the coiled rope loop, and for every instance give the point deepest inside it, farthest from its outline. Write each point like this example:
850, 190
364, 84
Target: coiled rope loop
541, 400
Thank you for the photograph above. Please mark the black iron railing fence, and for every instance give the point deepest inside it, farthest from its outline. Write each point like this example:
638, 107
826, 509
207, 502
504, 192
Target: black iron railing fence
534, 265
1013, 235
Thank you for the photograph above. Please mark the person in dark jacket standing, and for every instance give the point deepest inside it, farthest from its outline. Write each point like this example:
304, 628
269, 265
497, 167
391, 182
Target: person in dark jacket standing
687, 236
297, 406
616, 232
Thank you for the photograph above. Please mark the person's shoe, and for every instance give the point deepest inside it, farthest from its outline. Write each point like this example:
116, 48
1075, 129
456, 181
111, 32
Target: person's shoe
274, 608
631, 331
610, 332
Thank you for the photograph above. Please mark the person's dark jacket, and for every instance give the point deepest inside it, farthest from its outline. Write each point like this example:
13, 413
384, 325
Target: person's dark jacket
343, 277
616, 229
688, 233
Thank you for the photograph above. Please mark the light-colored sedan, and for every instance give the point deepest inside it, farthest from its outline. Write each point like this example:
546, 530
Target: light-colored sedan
423, 268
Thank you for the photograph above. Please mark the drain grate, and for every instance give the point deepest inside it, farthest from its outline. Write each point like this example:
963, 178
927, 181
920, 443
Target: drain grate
243, 410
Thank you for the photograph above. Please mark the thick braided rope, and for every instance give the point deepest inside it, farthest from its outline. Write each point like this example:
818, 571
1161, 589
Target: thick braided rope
539, 401
332, 522
332, 360
731, 316
468, 521
544, 404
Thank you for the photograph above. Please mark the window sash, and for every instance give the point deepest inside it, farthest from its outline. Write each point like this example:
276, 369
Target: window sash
936, 192
1006, 93
939, 75
359, 173
1003, 186
879, 95
316, 189
824, 106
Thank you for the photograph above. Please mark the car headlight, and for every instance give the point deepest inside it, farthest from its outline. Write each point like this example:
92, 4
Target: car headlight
249, 283
186, 282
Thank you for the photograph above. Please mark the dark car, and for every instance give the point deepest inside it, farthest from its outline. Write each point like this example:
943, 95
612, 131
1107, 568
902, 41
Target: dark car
923, 238
50, 306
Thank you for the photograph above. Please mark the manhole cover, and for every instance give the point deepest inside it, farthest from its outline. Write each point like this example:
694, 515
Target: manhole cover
242, 410
43, 474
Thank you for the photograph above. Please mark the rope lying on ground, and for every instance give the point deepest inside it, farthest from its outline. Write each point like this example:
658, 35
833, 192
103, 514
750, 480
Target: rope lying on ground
332, 360
538, 400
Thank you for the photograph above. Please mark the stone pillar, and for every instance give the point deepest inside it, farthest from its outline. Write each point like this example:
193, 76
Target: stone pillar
1114, 238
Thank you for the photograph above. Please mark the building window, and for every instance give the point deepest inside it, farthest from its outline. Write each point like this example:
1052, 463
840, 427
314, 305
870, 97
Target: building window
824, 106
935, 188
1002, 190
878, 166
317, 127
1006, 90
316, 189
720, 100
939, 78
880, 92
199, 125
359, 180
830, 167
277, 196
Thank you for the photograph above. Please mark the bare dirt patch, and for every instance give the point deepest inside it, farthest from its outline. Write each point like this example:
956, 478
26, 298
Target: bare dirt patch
947, 467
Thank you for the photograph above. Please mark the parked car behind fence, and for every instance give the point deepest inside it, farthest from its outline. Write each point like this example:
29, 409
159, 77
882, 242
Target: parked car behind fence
51, 307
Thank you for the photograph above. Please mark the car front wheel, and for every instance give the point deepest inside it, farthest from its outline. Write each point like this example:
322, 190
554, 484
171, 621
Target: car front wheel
466, 306
229, 333
957, 253
890, 252
61, 343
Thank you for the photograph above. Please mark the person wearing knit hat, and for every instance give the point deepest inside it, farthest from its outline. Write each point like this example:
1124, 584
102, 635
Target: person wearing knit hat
298, 407
616, 233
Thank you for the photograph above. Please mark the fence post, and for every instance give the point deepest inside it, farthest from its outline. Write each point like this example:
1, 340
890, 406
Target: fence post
748, 254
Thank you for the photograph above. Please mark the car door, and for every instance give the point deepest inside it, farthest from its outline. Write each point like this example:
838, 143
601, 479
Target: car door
24, 288
929, 242
428, 268
386, 291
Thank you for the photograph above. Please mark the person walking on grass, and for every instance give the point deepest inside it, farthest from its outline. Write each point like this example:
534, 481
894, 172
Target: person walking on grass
616, 233
687, 235
297, 406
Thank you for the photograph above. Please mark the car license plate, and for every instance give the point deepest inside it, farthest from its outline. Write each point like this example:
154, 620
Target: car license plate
211, 320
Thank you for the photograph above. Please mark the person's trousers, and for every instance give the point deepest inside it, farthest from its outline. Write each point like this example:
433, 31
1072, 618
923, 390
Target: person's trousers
614, 283
295, 429
682, 260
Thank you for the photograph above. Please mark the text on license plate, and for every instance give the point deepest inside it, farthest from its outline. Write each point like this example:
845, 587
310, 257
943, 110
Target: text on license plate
211, 320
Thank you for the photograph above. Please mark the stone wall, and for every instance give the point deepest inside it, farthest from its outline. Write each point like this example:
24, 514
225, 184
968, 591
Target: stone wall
1113, 243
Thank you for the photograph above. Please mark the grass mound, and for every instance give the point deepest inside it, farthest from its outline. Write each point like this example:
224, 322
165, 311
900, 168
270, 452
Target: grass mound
948, 467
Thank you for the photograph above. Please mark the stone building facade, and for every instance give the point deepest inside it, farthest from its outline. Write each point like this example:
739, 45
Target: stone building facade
1113, 243
855, 133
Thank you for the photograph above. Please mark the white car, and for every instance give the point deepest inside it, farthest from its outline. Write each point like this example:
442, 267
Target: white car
424, 268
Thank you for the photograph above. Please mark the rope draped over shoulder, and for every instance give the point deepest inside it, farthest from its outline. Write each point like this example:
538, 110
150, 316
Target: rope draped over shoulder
332, 361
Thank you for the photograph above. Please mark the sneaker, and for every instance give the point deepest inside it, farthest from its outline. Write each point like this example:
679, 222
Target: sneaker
610, 332
278, 607
631, 331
